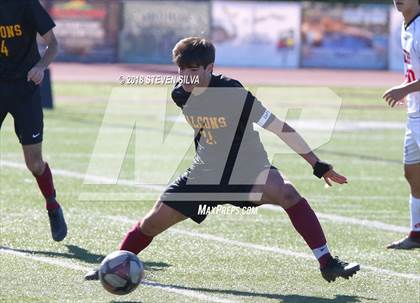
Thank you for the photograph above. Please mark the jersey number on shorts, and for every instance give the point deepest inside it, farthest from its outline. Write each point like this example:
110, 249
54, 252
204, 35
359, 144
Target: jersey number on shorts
3, 48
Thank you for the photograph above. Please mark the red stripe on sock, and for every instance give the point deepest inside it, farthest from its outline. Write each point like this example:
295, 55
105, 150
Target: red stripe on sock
414, 235
135, 240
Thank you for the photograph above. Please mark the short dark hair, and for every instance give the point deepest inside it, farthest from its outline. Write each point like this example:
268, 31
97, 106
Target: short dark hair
193, 51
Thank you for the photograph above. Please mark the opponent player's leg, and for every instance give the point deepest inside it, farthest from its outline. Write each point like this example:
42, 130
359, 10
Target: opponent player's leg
412, 240
412, 174
280, 192
28, 119
157, 220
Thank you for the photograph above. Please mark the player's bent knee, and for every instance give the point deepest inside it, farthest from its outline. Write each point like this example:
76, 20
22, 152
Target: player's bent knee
36, 167
289, 195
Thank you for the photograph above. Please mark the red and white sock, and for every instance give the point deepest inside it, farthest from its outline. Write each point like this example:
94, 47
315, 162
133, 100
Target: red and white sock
415, 217
46, 185
135, 240
307, 225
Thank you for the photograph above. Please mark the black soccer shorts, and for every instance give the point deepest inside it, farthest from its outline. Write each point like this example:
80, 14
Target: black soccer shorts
191, 209
22, 100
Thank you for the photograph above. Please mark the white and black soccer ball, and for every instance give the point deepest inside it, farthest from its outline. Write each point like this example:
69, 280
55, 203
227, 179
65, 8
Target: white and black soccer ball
121, 272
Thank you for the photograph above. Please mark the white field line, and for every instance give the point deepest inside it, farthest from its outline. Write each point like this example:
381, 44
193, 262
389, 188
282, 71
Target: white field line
360, 197
371, 224
318, 125
89, 155
68, 265
81, 176
131, 183
51, 261
188, 293
360, 137
8, 157
350, 220
270, 249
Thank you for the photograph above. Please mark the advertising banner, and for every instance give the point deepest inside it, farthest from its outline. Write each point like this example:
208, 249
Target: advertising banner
86, 30
336, 35
263, 34
152, 28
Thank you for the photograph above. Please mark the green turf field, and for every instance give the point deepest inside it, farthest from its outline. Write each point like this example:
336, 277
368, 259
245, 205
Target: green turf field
228, 258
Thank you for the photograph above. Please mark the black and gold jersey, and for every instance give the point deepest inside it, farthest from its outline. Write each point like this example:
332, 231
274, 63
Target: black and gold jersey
223, 118
20, 21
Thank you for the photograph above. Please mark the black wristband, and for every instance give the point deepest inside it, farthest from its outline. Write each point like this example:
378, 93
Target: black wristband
321, 168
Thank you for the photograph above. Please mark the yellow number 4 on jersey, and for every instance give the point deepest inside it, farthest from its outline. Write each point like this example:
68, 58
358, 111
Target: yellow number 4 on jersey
3, 48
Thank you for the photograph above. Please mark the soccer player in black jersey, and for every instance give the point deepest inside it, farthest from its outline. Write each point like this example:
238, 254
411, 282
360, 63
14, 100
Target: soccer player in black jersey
21, 72
230, 160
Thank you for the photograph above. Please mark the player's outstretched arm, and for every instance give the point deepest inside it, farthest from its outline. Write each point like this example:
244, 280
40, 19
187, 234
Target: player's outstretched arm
398, 93
36, 74
295, 141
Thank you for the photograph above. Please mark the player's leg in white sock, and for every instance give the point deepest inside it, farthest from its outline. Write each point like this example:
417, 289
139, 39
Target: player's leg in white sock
415, 214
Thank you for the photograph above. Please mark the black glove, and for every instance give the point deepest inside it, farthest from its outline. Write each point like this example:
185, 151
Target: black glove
321, 168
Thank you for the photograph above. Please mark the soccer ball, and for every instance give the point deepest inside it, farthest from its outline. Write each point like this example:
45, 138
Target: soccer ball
121, 272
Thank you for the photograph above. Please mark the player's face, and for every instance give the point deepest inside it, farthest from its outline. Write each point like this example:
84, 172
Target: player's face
404, 6
191, 74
